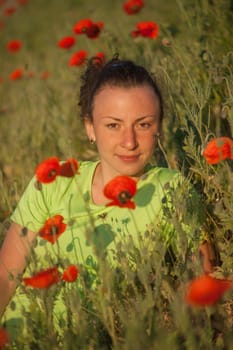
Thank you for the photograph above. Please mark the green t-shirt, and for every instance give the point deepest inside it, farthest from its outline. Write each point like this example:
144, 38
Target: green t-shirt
97, 229
91, 226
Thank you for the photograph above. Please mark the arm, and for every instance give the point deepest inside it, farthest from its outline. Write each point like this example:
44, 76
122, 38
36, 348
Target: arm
13, 259
207, 257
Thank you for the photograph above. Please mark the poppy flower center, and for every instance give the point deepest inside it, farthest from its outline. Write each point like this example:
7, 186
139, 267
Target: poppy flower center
54, 230
124, 196
52, 173
93, 30
147, 31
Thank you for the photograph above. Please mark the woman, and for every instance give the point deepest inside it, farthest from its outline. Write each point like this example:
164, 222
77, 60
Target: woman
122, 110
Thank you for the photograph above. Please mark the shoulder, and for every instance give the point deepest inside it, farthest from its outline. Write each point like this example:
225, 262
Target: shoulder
160, 175
87, 167
62, 184
82, 178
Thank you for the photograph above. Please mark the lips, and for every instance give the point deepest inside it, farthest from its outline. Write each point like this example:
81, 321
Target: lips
130, 158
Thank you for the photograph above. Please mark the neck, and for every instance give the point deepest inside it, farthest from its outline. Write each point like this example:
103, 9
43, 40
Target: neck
98, 184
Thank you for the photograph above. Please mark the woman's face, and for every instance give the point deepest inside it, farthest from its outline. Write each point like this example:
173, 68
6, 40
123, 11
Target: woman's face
125, 123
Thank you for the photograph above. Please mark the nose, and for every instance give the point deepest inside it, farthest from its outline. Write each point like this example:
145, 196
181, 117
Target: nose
129, 139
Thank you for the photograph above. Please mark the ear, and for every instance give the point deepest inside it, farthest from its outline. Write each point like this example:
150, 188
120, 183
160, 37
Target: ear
89, 127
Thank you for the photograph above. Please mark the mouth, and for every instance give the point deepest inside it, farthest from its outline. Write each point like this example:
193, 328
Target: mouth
131, 158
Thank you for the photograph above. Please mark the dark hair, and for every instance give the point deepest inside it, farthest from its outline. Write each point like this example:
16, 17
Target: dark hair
116, 72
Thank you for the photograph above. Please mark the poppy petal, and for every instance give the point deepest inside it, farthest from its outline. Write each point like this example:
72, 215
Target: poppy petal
4, 338
218, 149
206, 290
132, 7
16, 74
66, 42
69, 168
70, 274
81, 26
121, 189
146, 29
129, 204
43, 279
48, 170
53, 228
93, 31
14, 46
44, 75
78, 58
9, 11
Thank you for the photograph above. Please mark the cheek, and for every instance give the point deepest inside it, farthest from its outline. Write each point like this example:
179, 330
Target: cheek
100, 135
147, 139
97, 133
103, 143
149, 144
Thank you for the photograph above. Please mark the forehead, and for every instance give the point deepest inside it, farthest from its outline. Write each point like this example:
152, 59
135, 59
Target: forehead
140, 96
126, 102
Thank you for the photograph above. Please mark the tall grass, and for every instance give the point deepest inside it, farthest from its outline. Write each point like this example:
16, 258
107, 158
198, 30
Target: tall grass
131, 308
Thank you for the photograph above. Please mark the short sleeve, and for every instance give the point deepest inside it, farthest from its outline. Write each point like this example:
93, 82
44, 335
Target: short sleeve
32, 209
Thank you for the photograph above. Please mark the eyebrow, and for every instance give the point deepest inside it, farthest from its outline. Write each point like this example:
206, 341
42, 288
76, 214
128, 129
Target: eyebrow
137, 120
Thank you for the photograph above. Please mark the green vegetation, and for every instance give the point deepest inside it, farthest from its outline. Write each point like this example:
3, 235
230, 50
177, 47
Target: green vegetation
39, 118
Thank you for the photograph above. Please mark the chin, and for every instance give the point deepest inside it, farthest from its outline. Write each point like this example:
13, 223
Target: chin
134, 172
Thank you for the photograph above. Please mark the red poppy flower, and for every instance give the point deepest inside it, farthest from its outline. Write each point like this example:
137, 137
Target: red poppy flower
44, 75
70, 274
121, 189
53, 228
66, 42
14, 45
48, 170
16, 74
133, 6
69, 168
78, 58
218, 149
4, 338
206, 290
94, 30
1, 80
146, 29
9, 11
43, 279
99, 58
31, 74
81, 26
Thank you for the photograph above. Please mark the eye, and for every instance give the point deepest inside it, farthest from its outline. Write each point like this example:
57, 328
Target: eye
112, 126
144, 125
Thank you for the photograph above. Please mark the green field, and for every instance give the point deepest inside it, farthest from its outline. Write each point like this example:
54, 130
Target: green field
192, 58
